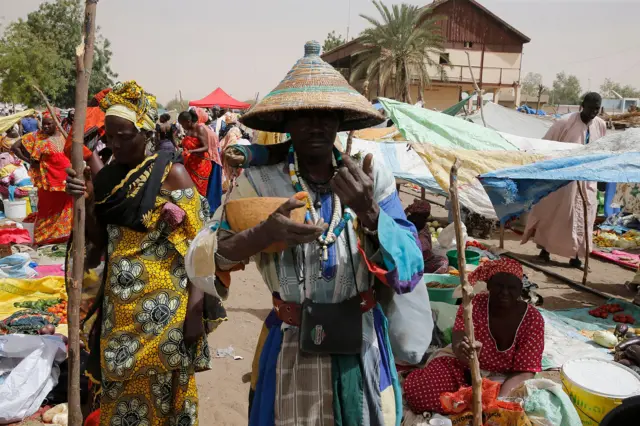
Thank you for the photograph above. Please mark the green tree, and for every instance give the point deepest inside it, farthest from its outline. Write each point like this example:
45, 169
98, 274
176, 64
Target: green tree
48, 39
566, 89
531, 83
332, 41
175, 104
399, 49
627, 91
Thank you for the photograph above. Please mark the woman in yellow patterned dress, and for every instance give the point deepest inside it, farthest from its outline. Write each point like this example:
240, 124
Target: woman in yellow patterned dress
152, 323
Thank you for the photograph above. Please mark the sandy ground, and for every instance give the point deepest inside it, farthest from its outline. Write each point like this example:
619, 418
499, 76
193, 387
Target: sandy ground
224, 390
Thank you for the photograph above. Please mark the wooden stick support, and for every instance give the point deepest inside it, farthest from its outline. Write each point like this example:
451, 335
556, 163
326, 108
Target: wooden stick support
467, 295
84, 65
501, 235
347, 150
587, 242
477, 89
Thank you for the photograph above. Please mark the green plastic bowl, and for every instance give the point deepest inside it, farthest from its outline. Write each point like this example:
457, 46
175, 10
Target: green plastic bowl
442, 294
472, 257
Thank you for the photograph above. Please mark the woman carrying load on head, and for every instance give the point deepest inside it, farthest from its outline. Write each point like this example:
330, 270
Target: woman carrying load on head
509, 337
337, 368
150, 333
44, 151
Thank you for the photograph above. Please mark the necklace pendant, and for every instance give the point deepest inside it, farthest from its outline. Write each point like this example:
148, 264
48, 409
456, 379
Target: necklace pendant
318, 204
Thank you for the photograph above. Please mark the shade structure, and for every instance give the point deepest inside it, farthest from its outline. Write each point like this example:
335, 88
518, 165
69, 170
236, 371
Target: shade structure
219, 98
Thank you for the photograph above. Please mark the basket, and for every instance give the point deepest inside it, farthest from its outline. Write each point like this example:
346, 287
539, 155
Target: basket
472, 257
247, 213
442, 294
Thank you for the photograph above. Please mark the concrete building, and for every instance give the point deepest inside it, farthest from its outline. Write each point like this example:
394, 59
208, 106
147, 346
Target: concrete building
495, 50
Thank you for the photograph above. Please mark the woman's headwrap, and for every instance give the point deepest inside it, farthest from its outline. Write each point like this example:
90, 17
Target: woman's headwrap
47, 114
129, 101
419, 207
489, 269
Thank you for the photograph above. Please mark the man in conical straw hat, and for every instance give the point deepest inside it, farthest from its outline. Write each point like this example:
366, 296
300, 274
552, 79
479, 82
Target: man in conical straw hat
324, 356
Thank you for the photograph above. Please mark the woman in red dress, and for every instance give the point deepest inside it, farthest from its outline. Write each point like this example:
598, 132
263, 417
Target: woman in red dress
44, 150
196, 150
509, 341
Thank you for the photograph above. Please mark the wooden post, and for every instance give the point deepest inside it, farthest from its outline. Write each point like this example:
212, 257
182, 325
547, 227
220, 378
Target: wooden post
587, 241
347, 151
51, 110
84, 65
423, 194
501, 235
477, 89
467, 295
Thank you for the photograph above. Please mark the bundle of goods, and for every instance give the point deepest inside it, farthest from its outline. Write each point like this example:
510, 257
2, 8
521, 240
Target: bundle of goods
608, 239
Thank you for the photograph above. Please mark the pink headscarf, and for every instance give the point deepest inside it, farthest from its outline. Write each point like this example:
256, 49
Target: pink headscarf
489, 269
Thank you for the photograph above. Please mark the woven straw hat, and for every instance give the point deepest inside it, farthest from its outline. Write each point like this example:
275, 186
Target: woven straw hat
312, 84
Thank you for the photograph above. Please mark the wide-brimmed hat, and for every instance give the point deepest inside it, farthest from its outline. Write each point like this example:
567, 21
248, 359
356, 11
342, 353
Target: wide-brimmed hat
312, 84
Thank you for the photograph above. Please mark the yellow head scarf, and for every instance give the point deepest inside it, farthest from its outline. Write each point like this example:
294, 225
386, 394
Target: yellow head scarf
129, 101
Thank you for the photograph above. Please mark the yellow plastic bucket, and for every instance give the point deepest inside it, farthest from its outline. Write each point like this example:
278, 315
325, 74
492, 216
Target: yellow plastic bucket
596, 387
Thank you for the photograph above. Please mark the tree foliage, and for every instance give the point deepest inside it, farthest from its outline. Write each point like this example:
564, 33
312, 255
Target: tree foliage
531, 83
332, 41
627, 91
566, 89
41, 50
399, 48
175, 104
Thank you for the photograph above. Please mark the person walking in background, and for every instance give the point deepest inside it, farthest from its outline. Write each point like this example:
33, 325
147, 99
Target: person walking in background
195, 147
556, 223
67, 123
149, 337
30, 124
165, 134
44, 151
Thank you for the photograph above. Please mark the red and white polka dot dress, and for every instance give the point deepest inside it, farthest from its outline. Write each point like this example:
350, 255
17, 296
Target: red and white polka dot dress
422, 388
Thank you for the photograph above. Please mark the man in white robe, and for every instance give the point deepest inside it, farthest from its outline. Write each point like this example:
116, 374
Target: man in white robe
556, 223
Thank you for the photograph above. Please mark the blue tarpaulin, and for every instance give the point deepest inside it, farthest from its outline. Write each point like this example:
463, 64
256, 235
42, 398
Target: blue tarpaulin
515, 190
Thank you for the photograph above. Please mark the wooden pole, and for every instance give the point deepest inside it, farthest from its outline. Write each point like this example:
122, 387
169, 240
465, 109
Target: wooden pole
477, 89
51, 110
501, 235
84, 65
347, 151
587, 241
467, 295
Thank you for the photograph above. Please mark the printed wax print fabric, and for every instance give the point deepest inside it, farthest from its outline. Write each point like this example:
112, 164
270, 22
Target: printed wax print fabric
49, 163
397, 262
198, 165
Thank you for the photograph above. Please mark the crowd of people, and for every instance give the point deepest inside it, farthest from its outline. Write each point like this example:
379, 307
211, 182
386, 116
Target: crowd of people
151, 185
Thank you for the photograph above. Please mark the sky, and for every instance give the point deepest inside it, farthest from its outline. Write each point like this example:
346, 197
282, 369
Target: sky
247, 46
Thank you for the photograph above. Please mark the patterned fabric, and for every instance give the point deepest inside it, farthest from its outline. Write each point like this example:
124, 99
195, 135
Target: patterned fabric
198, 165
155, 400
422, 388
331, 282
54, 218
47, 114
485, 271
147, 372
130, 95
49, 164
419, 207
628, 197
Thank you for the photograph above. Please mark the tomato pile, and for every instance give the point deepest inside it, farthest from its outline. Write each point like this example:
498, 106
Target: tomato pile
59, 310
604, 311
476, 244
625, 319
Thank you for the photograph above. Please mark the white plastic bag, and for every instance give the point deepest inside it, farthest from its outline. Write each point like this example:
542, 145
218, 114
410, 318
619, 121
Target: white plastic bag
447, 238
33, 372
200, 262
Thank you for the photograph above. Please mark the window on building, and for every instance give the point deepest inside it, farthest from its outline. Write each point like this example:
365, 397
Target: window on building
468, 44
444, 59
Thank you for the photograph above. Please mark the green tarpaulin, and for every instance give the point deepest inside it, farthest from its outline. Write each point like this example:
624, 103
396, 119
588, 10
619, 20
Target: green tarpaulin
422, 125
455, 109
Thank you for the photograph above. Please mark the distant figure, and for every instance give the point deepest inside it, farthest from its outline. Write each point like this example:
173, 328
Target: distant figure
195, 146
556, 223
165, 132
67, 123
30, 124
6, 142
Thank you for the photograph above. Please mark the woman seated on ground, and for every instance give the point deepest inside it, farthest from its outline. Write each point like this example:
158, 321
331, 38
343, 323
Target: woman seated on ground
418, 213
509, 341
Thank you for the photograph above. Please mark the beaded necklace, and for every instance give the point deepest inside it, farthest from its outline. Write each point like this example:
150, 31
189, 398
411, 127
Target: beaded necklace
337, 224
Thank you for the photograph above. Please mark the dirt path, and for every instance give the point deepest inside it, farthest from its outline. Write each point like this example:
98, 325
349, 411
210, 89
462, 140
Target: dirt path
224, 390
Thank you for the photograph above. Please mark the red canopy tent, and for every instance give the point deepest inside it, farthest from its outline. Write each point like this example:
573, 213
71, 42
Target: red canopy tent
219, 98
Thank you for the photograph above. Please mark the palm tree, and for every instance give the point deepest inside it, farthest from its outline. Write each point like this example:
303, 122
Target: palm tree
397, 49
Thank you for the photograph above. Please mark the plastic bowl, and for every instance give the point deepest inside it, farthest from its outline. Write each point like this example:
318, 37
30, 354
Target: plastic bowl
442, 294
472, 257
